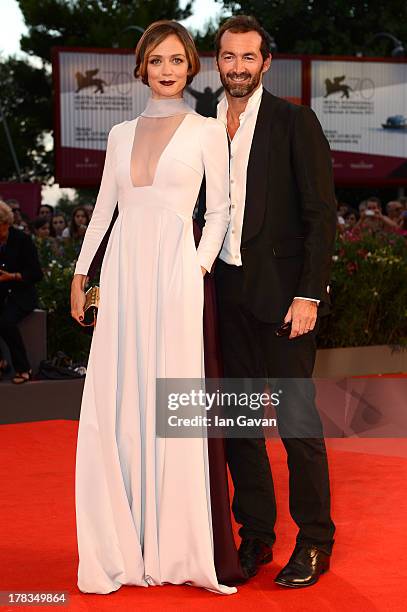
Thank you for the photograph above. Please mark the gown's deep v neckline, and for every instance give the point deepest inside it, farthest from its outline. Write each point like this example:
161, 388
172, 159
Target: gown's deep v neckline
162, 155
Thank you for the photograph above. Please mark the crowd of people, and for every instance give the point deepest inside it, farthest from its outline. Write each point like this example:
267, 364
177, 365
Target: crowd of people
52, 229
56, 227
26, 247
52, 224
370, 214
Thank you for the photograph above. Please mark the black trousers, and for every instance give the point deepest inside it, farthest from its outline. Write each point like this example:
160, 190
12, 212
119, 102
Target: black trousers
250, 349
10, 315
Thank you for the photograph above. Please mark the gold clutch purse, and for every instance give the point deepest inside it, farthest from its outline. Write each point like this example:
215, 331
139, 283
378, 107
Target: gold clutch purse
90, 310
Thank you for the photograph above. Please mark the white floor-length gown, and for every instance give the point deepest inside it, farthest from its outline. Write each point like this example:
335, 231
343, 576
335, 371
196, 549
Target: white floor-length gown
143, 503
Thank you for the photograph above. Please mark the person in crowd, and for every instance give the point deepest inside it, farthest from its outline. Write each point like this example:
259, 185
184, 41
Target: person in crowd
403, 223
25, 226
78, 225
362, 206
41, 227
342, 209
58, 224
351, 218
47, 211
89, 209
403, 201
394, 210
373, 219
46, 242
20, 270
16, 208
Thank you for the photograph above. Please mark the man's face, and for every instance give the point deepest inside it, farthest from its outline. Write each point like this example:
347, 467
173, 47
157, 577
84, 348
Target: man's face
372, 205
44, 212
240, 63
394, 210
17, 212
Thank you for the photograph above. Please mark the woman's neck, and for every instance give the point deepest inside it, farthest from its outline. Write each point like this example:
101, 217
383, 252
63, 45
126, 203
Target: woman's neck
166, 107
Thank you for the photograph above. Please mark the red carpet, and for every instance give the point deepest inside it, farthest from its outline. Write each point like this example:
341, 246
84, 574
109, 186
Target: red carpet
368, 571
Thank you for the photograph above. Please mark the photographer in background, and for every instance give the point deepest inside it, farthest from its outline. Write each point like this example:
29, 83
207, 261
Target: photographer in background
372, 217
19, 271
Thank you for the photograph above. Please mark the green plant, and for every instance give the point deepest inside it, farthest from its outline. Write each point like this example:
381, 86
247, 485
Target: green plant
63, 333
368, 291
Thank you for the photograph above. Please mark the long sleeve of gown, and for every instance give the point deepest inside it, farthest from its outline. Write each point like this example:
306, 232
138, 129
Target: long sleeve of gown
216, 162
103, 211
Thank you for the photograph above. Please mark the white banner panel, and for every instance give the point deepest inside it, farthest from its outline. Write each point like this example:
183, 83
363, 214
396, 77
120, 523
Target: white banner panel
362, 106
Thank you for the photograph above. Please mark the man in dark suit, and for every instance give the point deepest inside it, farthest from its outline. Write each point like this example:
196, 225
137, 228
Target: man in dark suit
274, 269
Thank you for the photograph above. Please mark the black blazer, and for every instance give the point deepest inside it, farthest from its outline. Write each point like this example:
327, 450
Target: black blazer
289, 221
20, 255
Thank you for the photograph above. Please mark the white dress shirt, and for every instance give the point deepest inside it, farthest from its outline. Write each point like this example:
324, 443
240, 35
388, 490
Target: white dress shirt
240, 147
239, 158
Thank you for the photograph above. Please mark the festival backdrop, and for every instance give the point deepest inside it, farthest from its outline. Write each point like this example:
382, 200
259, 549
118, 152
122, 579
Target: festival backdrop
94, 89
362, 106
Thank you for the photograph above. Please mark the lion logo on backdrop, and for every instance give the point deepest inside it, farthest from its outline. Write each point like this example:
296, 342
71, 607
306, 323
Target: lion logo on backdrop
337, 85
88, 80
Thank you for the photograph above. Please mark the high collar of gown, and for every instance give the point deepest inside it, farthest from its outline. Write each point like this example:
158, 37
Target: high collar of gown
161, 107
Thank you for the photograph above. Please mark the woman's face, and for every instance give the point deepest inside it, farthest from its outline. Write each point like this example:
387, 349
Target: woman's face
80, 218
58, 224
44, 212
43, 232
167, 68
351, 220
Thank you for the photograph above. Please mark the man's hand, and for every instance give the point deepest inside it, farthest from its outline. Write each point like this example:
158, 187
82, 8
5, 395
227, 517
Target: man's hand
303, 315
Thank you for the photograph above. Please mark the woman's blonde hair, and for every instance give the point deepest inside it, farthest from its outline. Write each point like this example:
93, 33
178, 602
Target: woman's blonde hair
153, 36
6, 214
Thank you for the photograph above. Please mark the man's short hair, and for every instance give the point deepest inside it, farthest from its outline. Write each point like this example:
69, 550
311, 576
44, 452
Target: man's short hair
241, 24
376, 200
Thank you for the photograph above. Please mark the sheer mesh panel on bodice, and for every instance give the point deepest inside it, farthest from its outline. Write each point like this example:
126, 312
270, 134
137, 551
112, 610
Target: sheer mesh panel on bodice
151, 137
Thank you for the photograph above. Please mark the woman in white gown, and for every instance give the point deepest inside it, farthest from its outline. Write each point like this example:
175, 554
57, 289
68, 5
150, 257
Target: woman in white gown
142, 502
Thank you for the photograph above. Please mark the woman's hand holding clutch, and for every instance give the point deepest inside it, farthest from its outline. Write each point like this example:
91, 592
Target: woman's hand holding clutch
78, 297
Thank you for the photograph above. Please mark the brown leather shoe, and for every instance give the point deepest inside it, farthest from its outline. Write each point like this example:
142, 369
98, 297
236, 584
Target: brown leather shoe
304, 568
252, 553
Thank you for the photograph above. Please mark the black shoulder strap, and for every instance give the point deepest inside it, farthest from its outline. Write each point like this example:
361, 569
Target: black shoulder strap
100, 253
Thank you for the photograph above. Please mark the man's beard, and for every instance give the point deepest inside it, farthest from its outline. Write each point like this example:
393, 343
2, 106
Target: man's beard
243, 89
